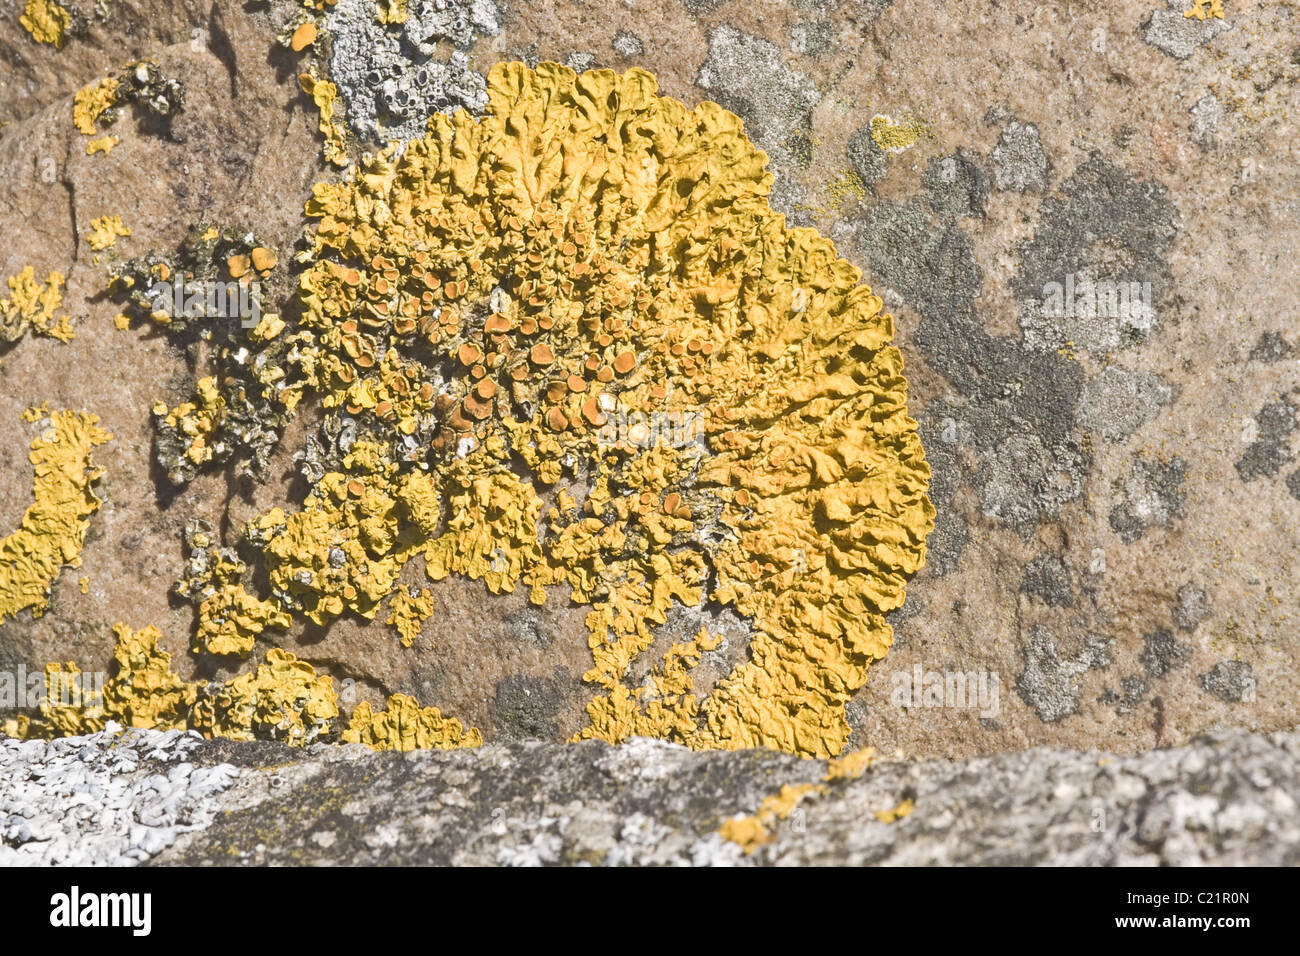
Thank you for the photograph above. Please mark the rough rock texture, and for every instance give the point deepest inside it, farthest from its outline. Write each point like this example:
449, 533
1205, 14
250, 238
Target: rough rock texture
1226, 799
104, 799
1101, 476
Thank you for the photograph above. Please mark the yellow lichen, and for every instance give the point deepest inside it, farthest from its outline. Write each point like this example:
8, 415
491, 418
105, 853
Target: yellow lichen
590, 246
284, 699
231, 620
1201, 9
324, 94
105, 231
195, 423
46, 21
303, 37
54, 526
851, 766
391, 11
92, 101
143, 692
750, 833
896, 813
102, 145
405, 725
894, 136
32, 305
409, 611
483, 303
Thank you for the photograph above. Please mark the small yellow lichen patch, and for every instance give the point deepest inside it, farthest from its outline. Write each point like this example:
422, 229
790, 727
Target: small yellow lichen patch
391, 11
54, 526
409, 611
897, 813
752, 832
1201, 9
324, 94
121, 322
93, 101
46, 21
102, 145
848, 188
852, 765
405, 725
194, 423
145, 692
231, 620
284, 699
303, 37
31, 305
105, 231
896, 136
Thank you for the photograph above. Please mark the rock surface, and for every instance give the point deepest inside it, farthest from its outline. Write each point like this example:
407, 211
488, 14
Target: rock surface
1091, 471
1226, 799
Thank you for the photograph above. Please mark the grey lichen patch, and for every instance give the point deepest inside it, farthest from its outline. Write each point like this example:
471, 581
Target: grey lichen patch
1027, 480
1119, 401
1094, 273
1207, 117
234, 407
1014, 406
1151, 497
1020, 163
1293, 484
956, 185
1270, 347
866, 157
527, 707
697, 8
933, 268
393, 77
812, 38
627, 44
1048, 578
1133, 689
1230, 681
1050, 682
1162, 652
1191, 607
748, 75
580, 61
1178, 36
1270, 451
940, 434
